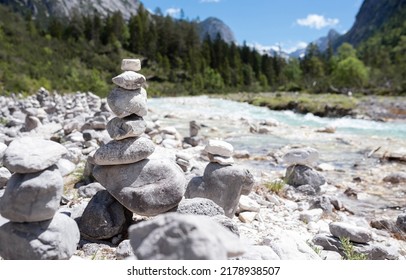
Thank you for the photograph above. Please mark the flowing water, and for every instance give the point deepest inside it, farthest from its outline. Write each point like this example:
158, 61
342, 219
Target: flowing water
346, 149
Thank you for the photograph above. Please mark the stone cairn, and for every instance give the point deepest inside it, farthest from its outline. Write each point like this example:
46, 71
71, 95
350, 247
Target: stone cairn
222, 181
147, 187
300, 173
35, 231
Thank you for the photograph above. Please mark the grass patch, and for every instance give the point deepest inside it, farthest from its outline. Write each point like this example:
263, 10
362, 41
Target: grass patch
349, 251
324, 105
275, 186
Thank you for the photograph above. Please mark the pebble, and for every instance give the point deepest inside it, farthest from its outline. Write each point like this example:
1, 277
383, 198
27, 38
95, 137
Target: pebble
248, 204
247, 217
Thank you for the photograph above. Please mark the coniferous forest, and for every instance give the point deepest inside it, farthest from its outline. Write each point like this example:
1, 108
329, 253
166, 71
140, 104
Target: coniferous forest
82, 54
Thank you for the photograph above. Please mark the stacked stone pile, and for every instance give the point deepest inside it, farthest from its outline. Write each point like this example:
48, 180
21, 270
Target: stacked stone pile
30, 202
300, 173
144, 186
222, 181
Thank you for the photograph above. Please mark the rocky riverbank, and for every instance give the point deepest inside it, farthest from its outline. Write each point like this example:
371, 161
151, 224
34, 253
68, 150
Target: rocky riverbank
379, 108
343, 186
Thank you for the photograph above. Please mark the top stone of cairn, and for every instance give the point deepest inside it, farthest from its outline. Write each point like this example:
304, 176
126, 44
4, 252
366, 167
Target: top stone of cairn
131, 64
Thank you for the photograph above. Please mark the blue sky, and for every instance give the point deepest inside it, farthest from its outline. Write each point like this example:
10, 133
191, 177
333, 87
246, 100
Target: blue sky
288, 23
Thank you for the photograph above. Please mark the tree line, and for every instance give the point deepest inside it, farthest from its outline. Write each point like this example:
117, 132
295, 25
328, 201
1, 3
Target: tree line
83, 53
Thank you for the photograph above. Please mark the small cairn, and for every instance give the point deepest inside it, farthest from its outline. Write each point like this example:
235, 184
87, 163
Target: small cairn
223, 182
194, 140
147, 187
35, 230
300, 172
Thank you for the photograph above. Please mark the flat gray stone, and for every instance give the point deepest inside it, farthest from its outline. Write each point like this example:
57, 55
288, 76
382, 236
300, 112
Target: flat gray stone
222, 184
4, 176
328, 242
221, 160
32, 197
183, 237
29, 155
65, 166
299, 175
54, 239
104, 217
220, 148
131, 126
148, 187
90, 190
199, 206
302, 156
129, 80
125, 151
124, 103
354, 233
129, 64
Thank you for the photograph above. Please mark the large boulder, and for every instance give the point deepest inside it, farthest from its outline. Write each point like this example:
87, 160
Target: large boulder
148, 187
104, 217
54, 239
222, 184
299, 175
32, 197
125, 151
183, 237
29, 155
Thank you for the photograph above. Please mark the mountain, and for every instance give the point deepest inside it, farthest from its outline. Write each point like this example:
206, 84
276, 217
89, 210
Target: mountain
372, 16
322, 43
40, 8
213, 26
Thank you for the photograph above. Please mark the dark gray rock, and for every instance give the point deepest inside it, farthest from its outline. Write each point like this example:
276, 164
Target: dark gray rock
375, 252
401, 222
148, 187
299, 175
29, 155
328, 242
89, 134
104, 217
125, 151
4, 176
90, 190
121, 128
183, 237
54, 239
353, 233
396, 178
127, 102
387, 225
227, 223
32, 197
124, 250
323, 202
308, 189
222, 184
199, 206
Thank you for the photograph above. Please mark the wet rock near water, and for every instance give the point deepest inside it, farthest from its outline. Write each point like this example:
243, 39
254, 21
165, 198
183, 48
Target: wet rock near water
299, 175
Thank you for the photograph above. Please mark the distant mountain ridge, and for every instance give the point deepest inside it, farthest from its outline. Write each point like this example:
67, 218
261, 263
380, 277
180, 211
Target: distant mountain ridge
322, 43
212, 27
60, 8
372, 15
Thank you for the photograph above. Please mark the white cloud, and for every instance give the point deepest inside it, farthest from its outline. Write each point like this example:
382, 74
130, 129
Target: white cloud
317, 21
209, 1
173, 12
